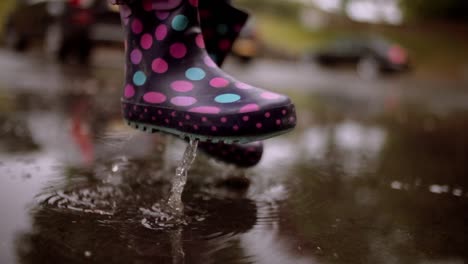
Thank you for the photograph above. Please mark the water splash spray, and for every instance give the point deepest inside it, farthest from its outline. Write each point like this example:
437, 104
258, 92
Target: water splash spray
178, 254
178, 183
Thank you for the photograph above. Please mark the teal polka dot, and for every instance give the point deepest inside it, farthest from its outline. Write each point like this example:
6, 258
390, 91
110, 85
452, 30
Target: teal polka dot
195, 74
139, 78
222, 29
227, 98
180, 22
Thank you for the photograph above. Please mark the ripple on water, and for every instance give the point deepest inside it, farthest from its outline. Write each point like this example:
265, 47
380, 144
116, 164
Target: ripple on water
211, 218
102, 200
162, 217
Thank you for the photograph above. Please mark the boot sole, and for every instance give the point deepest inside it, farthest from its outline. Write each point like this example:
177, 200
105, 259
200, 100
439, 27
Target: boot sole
212, 139
237, 128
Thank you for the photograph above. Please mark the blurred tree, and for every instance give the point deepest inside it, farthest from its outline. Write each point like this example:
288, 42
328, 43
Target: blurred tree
455, 10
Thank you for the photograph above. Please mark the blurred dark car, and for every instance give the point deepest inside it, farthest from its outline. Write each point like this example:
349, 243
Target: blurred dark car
64, 27
370, 55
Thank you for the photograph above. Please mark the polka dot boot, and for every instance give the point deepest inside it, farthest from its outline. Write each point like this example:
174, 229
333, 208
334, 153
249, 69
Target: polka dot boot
175, 87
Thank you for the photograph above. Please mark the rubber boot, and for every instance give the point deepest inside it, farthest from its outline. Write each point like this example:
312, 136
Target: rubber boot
173, 85
218, 28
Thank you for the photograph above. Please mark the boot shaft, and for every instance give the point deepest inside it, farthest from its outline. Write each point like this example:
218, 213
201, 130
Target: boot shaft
219, 21
151, 25
159, 39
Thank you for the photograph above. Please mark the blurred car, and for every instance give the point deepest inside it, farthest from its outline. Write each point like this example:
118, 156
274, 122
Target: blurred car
370, 55
246, 46
64, 27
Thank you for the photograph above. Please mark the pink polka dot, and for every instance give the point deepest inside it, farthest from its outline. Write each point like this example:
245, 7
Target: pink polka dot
270, 95
204, 119
245, 118
180, 124
243, 86
159, 66
136, 56
259, 125
162, 15
183, 101
209, 62
200, 42
249, 108
224, 44
129, 91
278, 122
178, 50
267, 114
235, 127
223, 120
206, 110
195, 127
154, 98
146, 41
182, 86
137, 26
194, 2
213, 128
284, 112
161, 32
187, 117
219, 82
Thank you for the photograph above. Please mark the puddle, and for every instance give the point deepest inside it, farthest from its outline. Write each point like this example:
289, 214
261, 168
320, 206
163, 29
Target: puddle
359, 181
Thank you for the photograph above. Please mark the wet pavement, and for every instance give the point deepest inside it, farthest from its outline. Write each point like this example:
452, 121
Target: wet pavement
376, 172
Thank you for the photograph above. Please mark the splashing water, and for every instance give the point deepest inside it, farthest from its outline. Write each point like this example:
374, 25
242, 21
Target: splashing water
178, 254
178, 183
